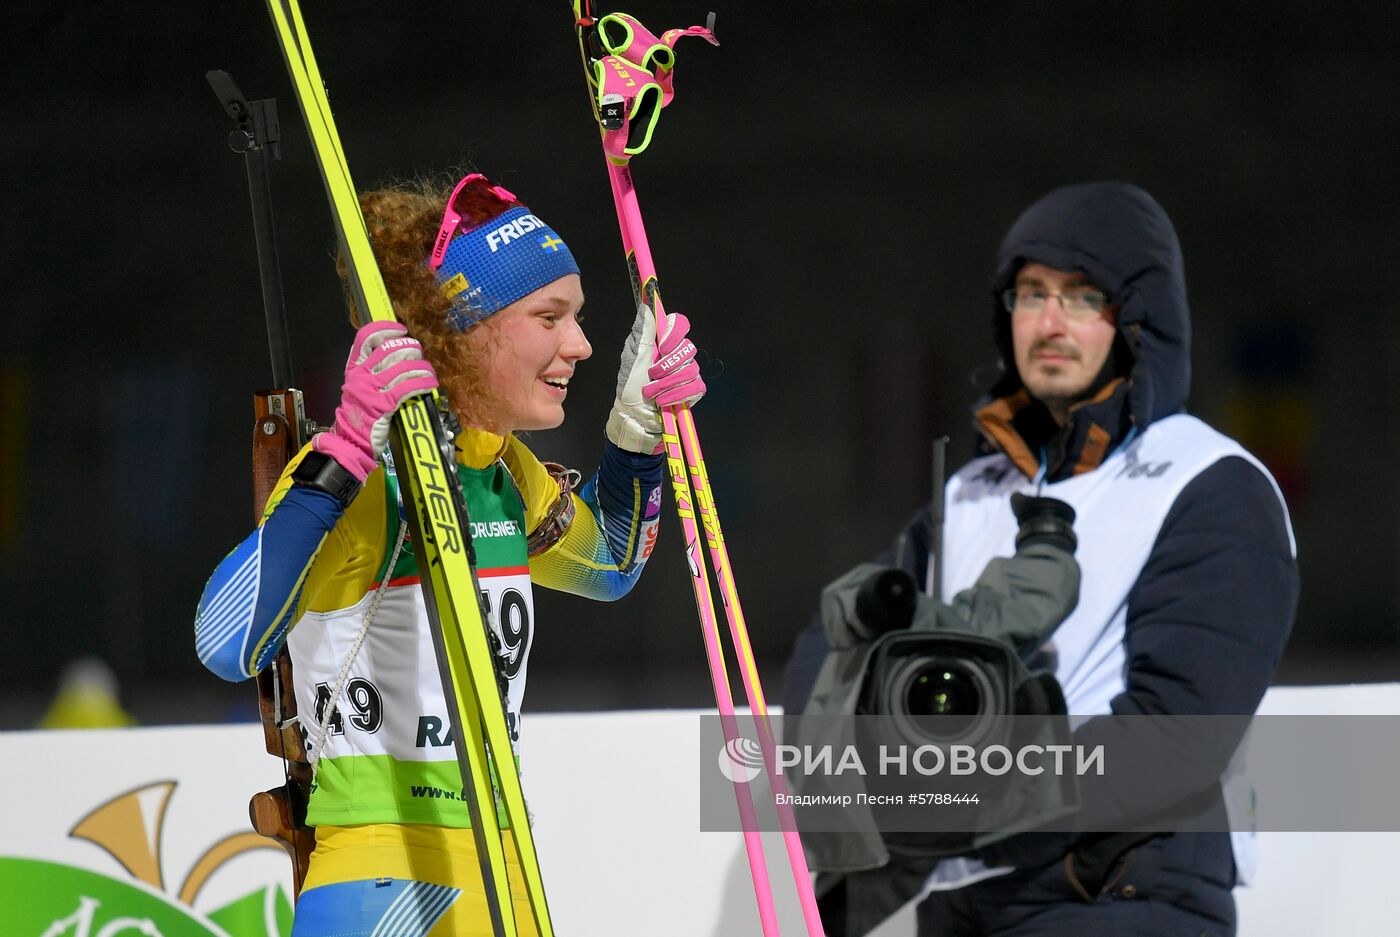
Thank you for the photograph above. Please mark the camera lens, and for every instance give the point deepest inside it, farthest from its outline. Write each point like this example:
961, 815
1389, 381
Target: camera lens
939, 690
941, 699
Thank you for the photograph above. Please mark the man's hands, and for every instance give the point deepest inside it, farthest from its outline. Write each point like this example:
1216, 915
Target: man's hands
655, 373
385, 368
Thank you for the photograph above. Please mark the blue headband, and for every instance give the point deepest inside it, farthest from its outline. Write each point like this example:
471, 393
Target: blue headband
494, 264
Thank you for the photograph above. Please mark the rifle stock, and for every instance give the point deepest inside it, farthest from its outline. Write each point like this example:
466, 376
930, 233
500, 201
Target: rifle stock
280, 813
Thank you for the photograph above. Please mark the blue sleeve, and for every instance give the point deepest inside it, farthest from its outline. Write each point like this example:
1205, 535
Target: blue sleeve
250, 600
625, 496
606, 545
1210, 614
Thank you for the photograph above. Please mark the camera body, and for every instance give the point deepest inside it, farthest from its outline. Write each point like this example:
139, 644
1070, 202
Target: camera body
938, 674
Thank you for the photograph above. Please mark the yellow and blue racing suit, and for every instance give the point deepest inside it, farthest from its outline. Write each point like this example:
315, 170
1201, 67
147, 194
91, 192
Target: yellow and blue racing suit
394, 849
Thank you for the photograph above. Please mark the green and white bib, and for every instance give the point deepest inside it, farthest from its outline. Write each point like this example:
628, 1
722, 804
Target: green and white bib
388, 756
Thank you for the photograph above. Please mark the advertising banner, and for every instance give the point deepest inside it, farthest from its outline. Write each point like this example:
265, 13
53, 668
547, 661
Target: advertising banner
120, 832
144, 831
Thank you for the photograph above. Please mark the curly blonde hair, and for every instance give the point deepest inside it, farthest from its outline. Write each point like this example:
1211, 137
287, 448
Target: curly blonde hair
403, 220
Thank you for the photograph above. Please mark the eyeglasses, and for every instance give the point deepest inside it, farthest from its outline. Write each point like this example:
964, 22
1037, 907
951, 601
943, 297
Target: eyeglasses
452, 215
1078, 302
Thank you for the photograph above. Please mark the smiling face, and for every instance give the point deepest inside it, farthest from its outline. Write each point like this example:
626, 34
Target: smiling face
529, 350
1059, 356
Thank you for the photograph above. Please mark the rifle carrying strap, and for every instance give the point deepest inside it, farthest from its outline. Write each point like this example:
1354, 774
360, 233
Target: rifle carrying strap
313, 754
560, 515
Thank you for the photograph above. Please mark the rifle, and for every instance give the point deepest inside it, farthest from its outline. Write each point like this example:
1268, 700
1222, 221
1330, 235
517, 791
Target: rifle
280, 428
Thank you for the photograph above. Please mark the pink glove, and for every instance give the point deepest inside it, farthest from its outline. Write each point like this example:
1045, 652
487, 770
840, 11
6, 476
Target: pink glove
385, 368
675, 377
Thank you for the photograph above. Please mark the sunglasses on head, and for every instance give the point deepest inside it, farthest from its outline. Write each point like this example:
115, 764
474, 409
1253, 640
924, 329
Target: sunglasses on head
452, 215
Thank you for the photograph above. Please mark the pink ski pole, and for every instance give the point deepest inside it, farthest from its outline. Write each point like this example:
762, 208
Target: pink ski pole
638, 251
639, 254
631, 72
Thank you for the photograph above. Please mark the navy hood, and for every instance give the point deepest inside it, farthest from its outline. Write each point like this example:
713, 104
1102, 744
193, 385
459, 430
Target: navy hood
1123, 241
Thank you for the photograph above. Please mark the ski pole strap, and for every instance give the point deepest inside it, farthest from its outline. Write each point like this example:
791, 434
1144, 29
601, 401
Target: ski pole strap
623, 35
629, 103
634, 81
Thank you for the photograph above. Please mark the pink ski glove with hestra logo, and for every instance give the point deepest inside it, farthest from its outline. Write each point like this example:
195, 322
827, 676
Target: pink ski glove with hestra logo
653, 374
675, 376
385, 368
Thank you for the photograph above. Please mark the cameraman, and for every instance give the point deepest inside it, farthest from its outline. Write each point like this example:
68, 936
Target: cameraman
1189, 578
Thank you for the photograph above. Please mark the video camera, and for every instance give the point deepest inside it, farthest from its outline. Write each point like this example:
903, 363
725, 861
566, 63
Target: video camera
960, 662
937, 675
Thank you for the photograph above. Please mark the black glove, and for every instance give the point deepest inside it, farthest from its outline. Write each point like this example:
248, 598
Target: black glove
1096, 857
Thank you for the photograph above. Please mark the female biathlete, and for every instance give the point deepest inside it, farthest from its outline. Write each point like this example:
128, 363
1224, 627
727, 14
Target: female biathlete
489, 298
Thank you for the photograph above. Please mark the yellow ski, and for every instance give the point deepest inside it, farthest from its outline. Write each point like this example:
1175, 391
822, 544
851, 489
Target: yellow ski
424, 458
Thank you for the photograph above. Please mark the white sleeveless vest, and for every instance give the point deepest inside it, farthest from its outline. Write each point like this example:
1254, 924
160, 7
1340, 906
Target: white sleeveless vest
1119, 508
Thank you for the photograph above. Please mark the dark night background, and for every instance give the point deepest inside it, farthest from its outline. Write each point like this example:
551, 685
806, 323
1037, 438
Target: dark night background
824, 200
